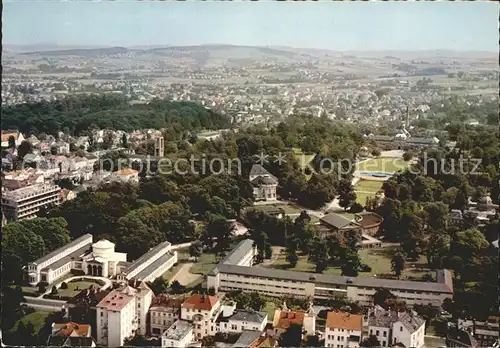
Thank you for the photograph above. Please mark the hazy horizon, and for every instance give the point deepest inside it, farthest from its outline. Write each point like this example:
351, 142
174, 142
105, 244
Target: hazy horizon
350, 26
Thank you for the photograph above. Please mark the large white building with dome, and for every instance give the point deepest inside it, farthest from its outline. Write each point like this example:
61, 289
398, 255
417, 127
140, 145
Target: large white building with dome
100, 259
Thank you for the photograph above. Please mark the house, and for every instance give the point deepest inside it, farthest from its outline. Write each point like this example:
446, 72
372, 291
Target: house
455, 218
70, 334
392, 327
123, 314
202, 310
484, 332
264, 184
335, 223
18, 137
126, 175
164, 311
254, 339
231, 320
343, 330
284, 318
370, 222
179, 335
67, 195
457, 337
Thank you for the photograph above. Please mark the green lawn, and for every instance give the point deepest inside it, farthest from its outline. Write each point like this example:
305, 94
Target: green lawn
378, 259
361, 197
287, 208
270, 307
37, 319
204, 265
368, 185
171, 272
30, 291
75, 287
390, 165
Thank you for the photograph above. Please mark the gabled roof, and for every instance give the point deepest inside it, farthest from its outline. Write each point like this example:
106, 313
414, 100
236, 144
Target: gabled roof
337, 221
342, 320
71, 329
258, 169
264, 180
203, 302
283, 319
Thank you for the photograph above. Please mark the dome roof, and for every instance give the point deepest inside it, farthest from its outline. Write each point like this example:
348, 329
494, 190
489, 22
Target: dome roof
103, 243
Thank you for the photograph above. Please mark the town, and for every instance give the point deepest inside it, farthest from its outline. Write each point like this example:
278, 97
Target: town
237, 195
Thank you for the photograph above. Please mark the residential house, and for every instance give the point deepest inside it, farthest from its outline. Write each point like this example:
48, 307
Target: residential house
343, 330
393, 327
254, 339
231, 320
179, 335
486, 333
126, 175
202, 310
18, 137
284, 318
164, 311
264, 183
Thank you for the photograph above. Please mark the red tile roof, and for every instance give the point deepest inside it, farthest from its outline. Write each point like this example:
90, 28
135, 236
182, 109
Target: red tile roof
71, 329
203, 302
342, 320
283, 319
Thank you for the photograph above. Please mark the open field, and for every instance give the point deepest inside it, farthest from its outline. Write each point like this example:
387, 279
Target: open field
382, 164
378, 259
366, 188
75, 287
204, 265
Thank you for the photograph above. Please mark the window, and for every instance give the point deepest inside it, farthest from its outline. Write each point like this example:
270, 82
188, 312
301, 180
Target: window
377, 333
383, 343
385, 333
400, 328
102, 314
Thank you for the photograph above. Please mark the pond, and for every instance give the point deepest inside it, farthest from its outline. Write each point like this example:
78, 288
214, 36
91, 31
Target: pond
377, 174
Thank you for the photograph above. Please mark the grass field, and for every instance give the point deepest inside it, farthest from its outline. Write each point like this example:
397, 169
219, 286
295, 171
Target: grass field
389, 165
204, 265
287, 208
72, 291
37, 319
366, 188
378, 259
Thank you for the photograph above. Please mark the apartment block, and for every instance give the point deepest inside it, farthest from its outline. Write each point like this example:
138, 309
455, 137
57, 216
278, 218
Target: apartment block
25, 202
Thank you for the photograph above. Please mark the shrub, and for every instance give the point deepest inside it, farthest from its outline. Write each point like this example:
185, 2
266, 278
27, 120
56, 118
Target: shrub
53, 291
64, 286
356, 208
42, 287
365, 268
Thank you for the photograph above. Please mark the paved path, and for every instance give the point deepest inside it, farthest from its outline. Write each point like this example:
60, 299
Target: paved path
183, 276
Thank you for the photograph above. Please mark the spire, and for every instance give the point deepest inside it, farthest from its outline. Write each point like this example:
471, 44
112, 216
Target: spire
310, 310
284, 307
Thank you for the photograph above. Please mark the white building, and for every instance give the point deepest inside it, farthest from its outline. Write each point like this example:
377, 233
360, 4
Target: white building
25, 202
229, 275
123, 314
152, 264
231, 320
203, 311
126, 175
343, 330
391, 327
100, 259
179, 335
18, 138
264, 184
164, 311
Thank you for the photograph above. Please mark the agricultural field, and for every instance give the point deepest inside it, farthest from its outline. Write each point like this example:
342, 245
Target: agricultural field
382, 164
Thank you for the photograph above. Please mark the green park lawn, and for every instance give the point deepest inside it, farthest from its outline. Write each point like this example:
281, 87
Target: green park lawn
37, 319
382, 164
287, 208
366, 188
204, 265
75, 287
378, 259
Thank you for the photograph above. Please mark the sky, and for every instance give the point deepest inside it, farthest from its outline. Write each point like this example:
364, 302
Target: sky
342, 26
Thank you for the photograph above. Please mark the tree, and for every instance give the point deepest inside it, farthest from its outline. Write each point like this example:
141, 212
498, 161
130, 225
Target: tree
437, 249
351, 264
124, 140
176, 286
12, 142
195, 250
54, 150
376, 152
407, 156
371, 341
54, 290
437, 214
42, 287
24, 148
382, 296
159, 285
398, 263
64, 285
292, 337
218, 231
468, 244
318, 255
292, 257
346, 194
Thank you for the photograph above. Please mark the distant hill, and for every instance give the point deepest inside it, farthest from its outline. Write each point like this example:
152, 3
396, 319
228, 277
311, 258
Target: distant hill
86, 52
